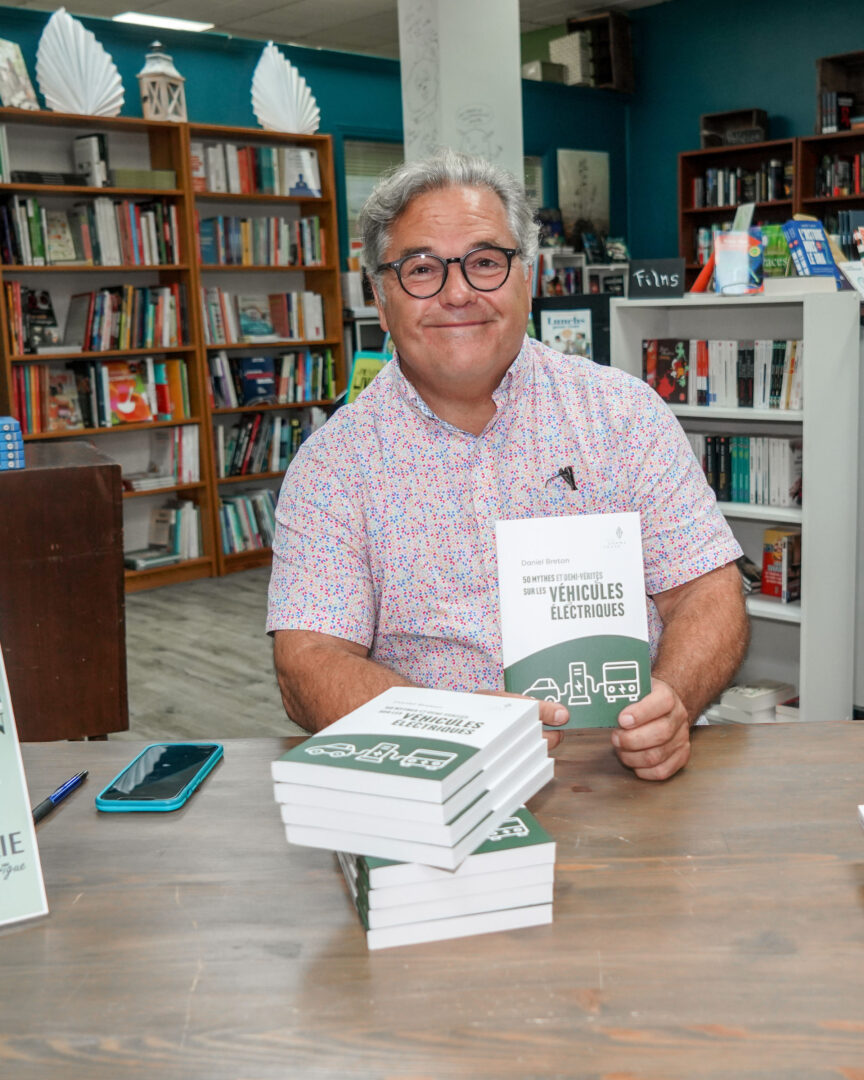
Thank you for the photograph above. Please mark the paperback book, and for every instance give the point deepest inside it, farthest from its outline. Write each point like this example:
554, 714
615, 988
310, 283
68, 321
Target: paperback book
574, 622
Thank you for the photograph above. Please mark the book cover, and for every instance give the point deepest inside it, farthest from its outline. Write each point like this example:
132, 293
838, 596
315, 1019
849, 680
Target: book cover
40, 323
255, 322
781, 564
16, 89
665, 367
257, 379
551, 227
128, 395
738, 262
64, 409
300, 174
409, 742
59, 242
568, 332
574, 623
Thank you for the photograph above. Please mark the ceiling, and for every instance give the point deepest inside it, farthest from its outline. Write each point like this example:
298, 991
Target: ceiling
363, 26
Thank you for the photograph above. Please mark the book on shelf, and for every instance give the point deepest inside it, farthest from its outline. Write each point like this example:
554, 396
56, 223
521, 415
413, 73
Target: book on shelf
224, 240
16, 89
163, 179
253, 318
751, 574
811, 250
248, 521
128, 396
173, 459
63, 405
788, 710
724, 373
472, 900
90, 157
758, 470
551, 224
248, 170
592, 245
781, 564
738, 262
750, 703
291, 316
574, 625
127, 317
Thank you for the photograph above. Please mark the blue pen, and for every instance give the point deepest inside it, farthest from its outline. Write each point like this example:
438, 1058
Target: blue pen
47, 805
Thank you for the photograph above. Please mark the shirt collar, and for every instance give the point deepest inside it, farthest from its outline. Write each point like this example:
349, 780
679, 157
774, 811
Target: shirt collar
509, 387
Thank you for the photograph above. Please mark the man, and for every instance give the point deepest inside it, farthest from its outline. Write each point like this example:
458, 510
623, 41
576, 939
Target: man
384, 560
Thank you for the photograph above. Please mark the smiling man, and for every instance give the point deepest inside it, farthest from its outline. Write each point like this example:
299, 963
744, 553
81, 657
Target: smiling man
384, 568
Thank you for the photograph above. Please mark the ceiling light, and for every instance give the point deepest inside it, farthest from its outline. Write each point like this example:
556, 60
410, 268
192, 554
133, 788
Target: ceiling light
164, 22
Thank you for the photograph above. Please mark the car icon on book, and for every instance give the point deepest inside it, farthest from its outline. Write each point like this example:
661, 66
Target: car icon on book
335, 750
547, 689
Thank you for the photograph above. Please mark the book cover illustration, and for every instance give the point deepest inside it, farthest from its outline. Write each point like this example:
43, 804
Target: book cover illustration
253, 313
128, 395
738, 266
666, 366
64, 407
568, 332
16, 89
574, 622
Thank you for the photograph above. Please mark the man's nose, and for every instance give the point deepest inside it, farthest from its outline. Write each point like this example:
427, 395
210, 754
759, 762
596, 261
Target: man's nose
456, 289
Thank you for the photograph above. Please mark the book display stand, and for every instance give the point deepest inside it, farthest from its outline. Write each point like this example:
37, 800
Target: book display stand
40, 143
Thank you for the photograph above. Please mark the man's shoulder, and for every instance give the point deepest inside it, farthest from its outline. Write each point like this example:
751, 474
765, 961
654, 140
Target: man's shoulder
353, 428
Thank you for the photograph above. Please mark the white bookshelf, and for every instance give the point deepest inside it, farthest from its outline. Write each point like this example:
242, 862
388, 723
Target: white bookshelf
811, 643
561, 258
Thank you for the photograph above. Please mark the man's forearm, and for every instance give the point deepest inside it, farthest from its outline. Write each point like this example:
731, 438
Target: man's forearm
705, 636
321, 680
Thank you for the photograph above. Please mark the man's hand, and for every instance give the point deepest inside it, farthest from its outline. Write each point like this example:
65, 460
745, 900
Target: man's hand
550, 713
654, 734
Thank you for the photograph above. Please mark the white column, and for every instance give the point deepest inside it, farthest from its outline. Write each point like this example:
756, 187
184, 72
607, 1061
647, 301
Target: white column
462, 78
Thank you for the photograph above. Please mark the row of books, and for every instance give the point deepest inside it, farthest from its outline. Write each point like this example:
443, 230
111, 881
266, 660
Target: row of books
419, 792
766, 701
847, 228
729, 186
248, 521
11, 444
114, 318
292, 316
838, 174
250, 170
90, 394
750, 469
256, 443
101, 232
559, 280
726, 374
260, 241
835, 111
173, 459
266, 380
174, 535
781, 564
776, 260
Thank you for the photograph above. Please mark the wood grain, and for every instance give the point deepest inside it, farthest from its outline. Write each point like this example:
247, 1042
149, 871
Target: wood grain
707, 927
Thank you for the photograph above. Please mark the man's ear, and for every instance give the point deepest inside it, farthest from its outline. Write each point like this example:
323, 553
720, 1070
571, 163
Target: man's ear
379, 303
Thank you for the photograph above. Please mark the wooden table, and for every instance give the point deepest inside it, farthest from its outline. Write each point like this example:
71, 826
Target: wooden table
711, 926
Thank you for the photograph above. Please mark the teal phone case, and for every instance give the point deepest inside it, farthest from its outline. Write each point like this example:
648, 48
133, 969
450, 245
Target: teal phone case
120, 806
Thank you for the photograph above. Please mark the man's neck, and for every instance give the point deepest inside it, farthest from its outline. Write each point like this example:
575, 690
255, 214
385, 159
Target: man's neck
470, 408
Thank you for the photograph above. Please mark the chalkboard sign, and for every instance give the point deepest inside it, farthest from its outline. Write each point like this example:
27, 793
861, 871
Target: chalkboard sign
652, 278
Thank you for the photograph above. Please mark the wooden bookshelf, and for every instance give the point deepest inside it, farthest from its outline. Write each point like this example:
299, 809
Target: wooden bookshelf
322, 278
41, 141
693, 165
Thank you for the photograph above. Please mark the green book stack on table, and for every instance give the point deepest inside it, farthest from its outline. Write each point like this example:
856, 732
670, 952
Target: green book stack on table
416, 775
506, 884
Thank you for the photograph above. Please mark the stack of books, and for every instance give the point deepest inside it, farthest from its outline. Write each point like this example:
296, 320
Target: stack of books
507, 883
11, 444
418, 776
754, 703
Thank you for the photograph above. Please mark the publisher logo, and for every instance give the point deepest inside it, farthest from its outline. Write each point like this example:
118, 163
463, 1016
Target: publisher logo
615, 541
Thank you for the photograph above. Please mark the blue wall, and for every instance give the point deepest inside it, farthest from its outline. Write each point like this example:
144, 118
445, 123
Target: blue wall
359, 96
698, 56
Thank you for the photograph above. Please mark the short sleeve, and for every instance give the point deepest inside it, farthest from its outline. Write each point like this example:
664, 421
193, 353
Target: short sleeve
684, 535
321, 579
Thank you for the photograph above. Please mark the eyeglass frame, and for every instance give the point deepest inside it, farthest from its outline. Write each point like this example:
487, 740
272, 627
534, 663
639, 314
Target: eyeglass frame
396, 267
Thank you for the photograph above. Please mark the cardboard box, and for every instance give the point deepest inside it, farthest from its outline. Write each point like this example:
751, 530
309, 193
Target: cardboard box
574, 52
544, 71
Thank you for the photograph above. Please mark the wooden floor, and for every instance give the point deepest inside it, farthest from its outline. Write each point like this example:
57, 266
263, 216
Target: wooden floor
199, 662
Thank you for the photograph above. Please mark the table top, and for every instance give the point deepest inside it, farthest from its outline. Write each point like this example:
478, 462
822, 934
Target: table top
709, 926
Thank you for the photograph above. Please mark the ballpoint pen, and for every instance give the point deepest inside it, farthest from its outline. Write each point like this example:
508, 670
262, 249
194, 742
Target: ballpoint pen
47, 805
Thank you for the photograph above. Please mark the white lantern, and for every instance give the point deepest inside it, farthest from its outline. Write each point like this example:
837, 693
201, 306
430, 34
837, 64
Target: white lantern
162, 93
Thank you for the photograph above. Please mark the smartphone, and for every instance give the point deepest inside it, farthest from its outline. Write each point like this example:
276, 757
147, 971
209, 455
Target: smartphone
161, 777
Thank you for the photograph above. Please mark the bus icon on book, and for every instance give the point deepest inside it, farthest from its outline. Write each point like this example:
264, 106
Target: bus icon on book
431, 760
511, 826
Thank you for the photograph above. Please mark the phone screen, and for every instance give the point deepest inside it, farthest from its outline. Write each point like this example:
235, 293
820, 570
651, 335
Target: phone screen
161, 772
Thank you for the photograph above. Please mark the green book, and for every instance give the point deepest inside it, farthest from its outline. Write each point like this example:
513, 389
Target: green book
574, 619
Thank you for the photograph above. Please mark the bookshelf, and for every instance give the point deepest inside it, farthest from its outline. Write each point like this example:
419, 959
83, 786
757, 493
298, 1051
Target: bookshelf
319, 273
751, 159
571, 268
41, 141
811, 643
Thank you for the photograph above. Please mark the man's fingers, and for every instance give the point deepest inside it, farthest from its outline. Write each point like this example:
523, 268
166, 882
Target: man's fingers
668, 767
552, 737
658, 702
553, 714
655, 733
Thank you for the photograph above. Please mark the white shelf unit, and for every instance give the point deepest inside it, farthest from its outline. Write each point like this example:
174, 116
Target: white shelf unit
557, 257
811, 643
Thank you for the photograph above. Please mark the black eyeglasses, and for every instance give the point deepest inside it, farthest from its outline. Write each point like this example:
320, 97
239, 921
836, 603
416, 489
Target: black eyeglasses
424, 275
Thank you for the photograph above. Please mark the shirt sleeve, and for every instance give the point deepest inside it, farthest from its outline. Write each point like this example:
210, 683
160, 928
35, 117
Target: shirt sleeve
321, 579
684, 535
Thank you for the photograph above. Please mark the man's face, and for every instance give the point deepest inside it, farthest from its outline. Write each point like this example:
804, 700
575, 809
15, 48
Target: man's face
460, 335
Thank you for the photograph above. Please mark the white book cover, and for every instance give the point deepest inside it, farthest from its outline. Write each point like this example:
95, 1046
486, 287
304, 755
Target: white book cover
486, 922
447, 857
409, 742
357, 802
574, 619
393, 824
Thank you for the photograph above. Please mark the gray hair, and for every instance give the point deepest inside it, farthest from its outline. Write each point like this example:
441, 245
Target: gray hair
445, 169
